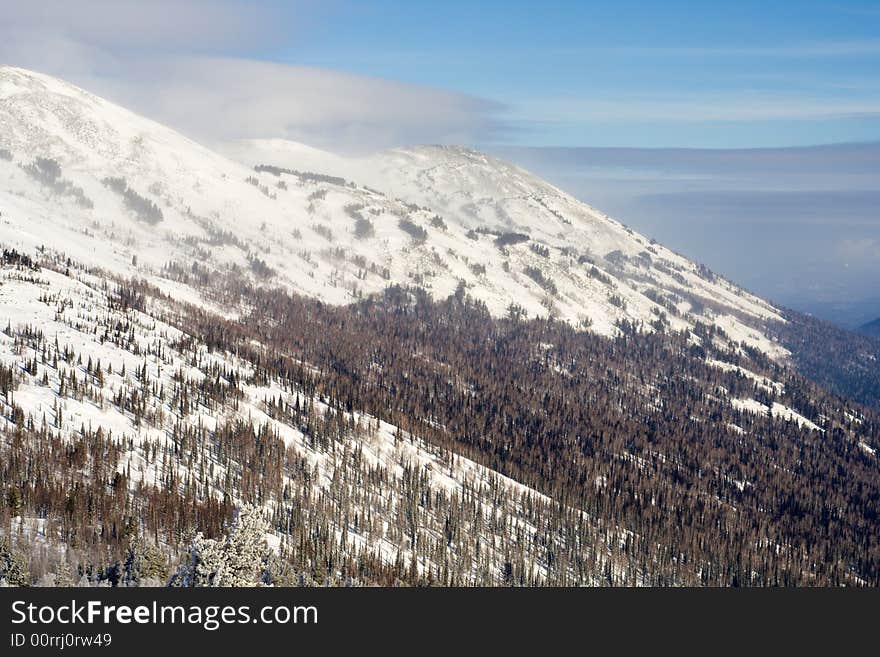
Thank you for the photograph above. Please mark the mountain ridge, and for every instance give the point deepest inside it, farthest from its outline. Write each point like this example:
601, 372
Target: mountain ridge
538, 248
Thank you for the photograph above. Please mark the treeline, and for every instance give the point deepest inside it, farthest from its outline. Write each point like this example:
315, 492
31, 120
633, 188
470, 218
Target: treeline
306, 176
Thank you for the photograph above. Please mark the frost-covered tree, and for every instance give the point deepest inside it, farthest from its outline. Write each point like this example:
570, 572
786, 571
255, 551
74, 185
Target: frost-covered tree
238, 559
144, 565
278, 572
62, 575
13, 567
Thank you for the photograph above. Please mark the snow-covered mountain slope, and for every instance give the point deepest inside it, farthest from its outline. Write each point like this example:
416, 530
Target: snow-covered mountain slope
481, 191
85, 358
627, 275
84, 177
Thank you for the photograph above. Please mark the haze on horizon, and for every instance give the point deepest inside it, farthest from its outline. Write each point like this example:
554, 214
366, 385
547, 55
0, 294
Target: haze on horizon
707, 127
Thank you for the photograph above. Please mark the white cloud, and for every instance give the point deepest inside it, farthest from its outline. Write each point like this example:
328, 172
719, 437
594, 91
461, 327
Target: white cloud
179, 62
155, 25
226, 98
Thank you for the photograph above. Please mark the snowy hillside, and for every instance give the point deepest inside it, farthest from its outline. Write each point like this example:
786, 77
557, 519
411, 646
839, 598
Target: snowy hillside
584, 266
401, 440
478, 190
84, 177
93, 361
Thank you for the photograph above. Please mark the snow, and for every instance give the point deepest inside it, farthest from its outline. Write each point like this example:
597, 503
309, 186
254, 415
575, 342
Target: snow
740, 332
762, 382
777, 410
220, 213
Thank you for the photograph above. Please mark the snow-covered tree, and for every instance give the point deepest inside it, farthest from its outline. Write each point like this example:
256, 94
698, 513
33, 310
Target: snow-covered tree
238, 559
144, 565
13, 567
62, 575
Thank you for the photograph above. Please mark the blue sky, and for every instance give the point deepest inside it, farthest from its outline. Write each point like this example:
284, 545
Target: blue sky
646, 74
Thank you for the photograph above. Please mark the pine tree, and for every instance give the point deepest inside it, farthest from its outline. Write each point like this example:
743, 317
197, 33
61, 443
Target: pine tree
144, 564
238, 559
13, 567
62, 575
